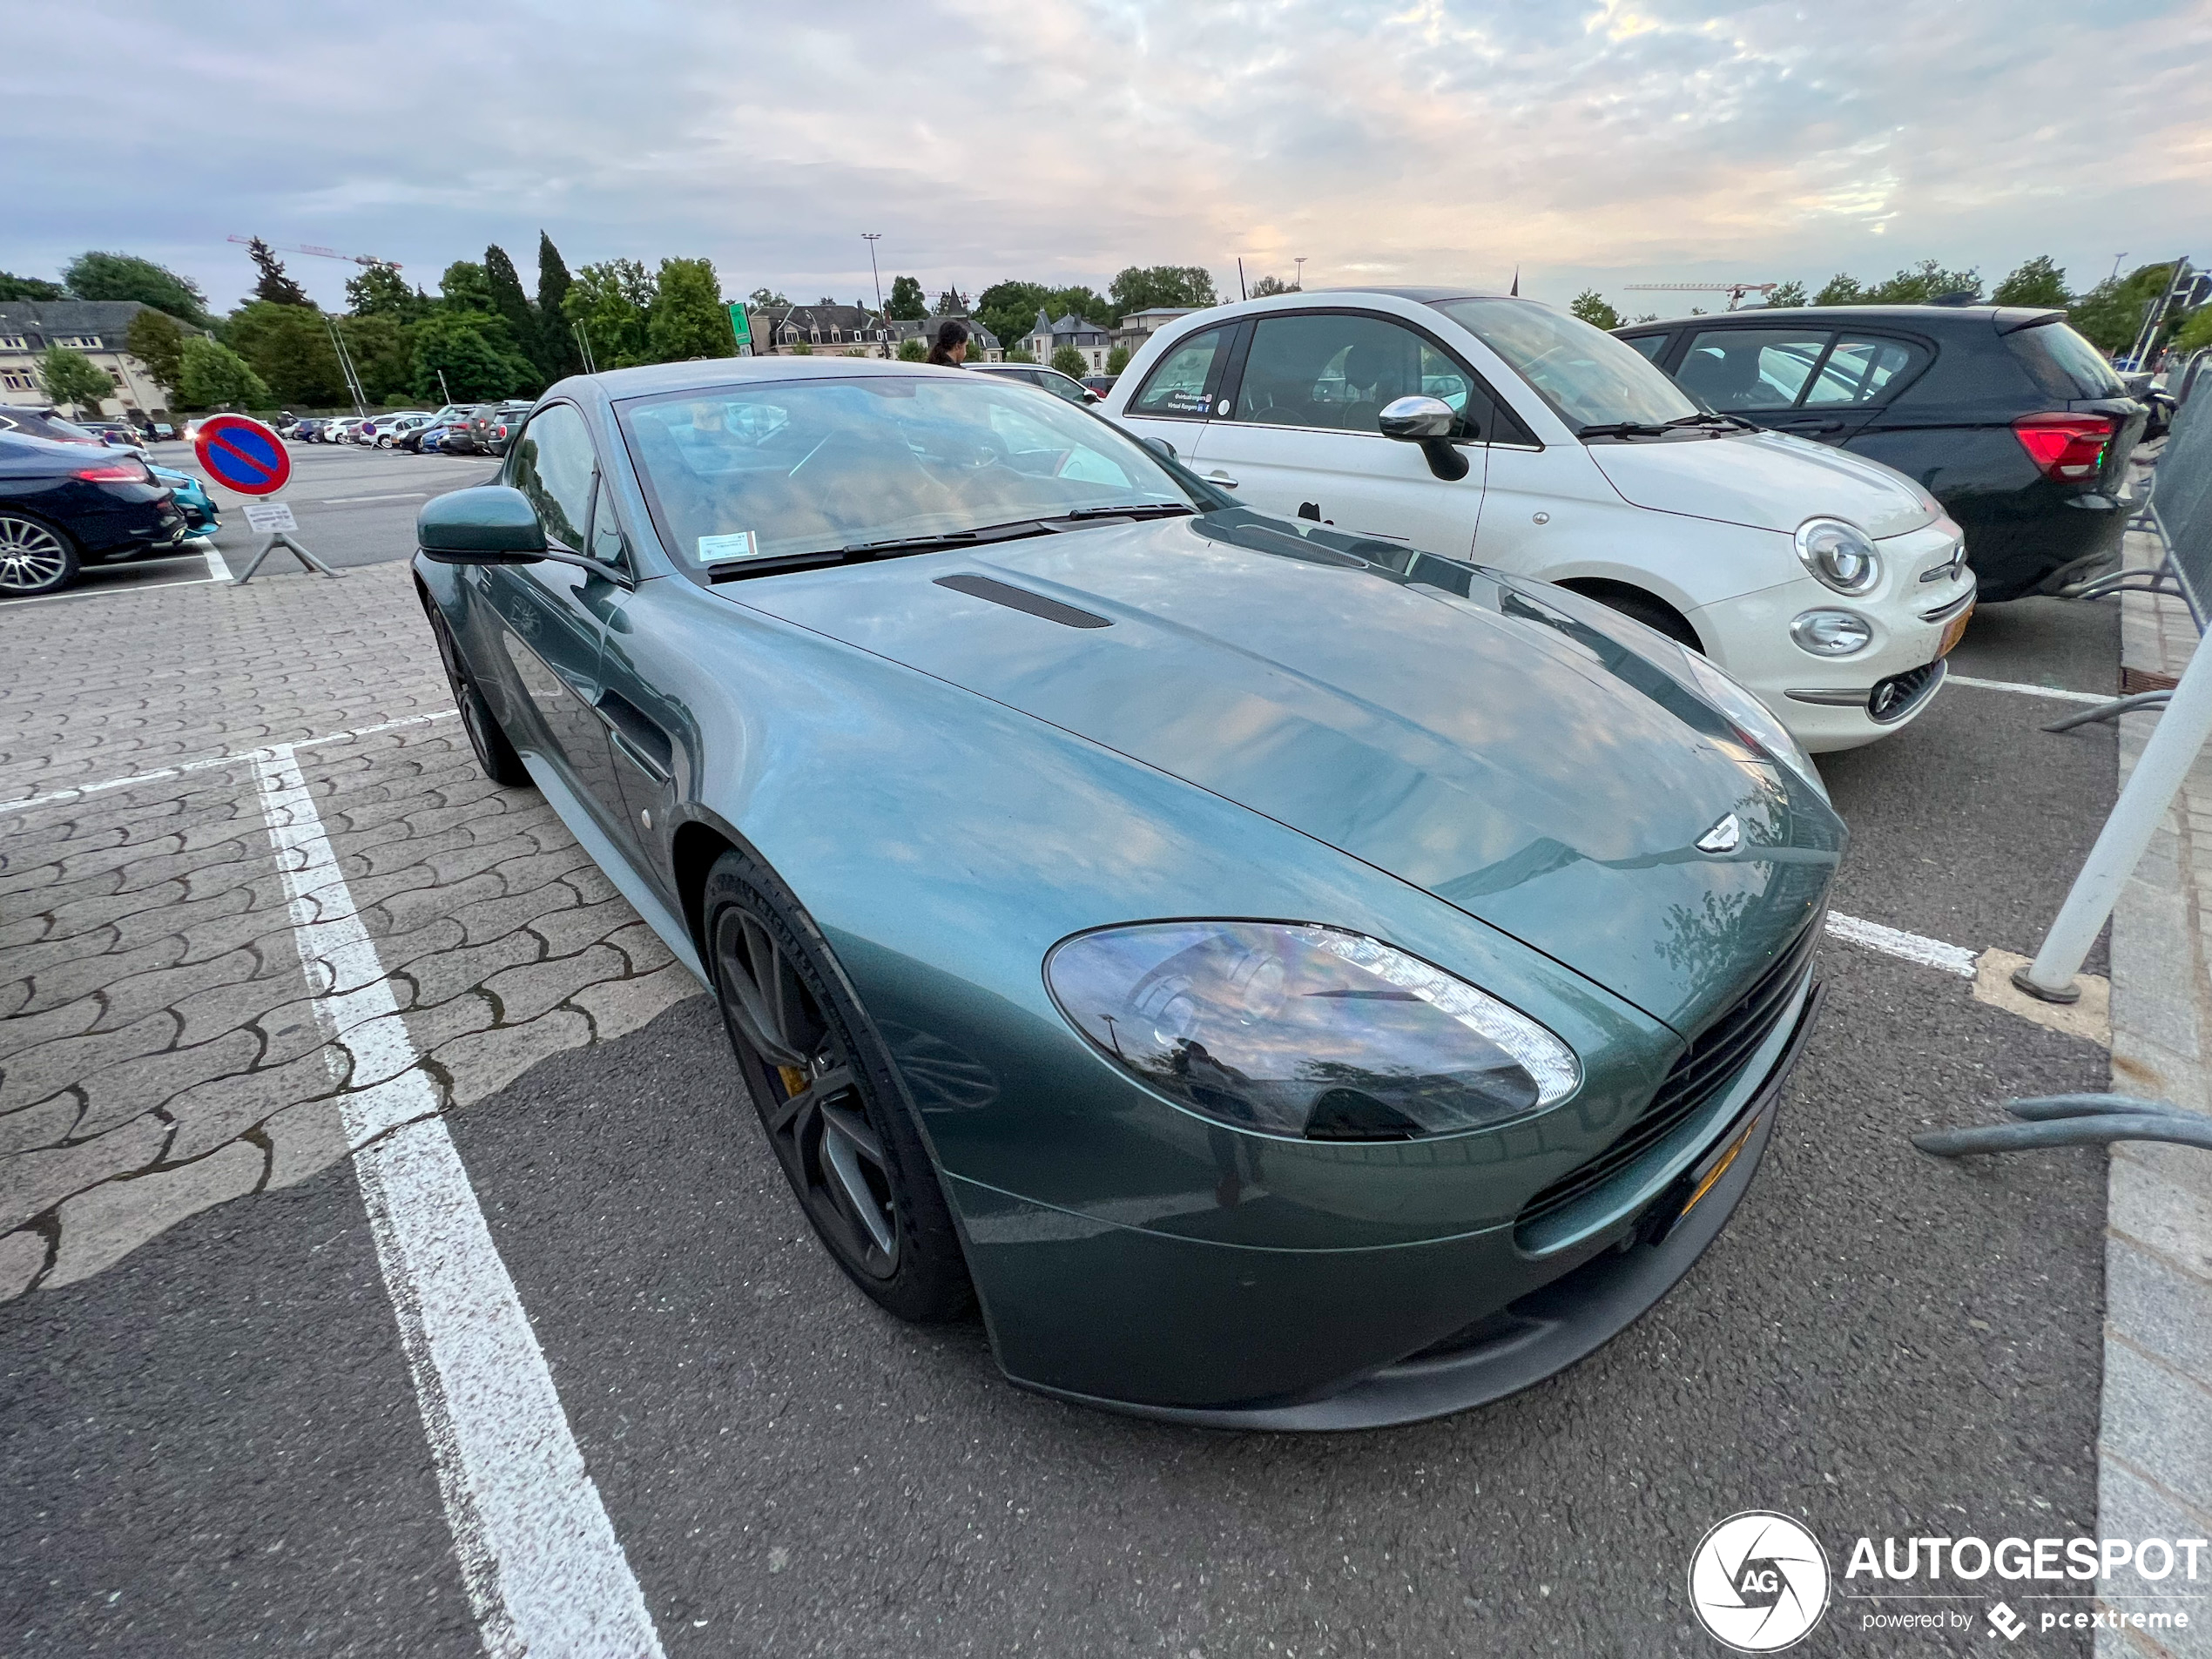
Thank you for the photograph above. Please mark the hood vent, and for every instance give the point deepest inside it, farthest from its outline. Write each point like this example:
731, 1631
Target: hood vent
1013, 598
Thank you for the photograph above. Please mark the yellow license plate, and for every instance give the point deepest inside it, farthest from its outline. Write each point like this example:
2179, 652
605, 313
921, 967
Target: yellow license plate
1956, 631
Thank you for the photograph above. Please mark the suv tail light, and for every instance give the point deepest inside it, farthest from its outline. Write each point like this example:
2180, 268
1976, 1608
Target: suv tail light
2064, 446
502, 428
114, 472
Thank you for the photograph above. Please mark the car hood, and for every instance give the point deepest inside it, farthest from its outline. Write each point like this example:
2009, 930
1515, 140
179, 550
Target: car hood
1490, 747
1766, 480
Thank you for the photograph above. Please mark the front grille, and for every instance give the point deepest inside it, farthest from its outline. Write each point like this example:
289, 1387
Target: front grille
1708, 1066
1898, 696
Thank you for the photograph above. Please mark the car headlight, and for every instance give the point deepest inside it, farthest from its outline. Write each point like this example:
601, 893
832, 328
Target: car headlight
1839, 554
1832, 633
1750, 717
1296, 1030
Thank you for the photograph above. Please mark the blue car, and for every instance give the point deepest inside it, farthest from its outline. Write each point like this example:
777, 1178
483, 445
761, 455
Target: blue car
1288, 980
191, 497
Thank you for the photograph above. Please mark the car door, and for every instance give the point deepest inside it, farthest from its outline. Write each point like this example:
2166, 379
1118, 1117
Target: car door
553, 616
643, 724
1298, 436
1179, 392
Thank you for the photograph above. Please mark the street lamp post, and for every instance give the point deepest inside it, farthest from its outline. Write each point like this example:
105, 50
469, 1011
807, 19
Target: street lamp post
1300, 262
872, 238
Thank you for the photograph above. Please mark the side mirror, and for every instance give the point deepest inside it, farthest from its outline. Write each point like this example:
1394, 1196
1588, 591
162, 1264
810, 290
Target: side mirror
491, 524
1427, 422
1159, 447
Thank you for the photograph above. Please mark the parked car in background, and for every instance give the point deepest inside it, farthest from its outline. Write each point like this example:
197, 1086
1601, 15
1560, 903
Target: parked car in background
34, 424
422, 439
376, 432
341, 430
1288, 988
459, 436
493, 425
2008, 416
1050, 380
1101, 384
1498, 429
193, 500
63, 506
118, 434
305, 430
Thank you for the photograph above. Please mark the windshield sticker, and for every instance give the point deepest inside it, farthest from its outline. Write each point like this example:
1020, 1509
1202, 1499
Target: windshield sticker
720, 549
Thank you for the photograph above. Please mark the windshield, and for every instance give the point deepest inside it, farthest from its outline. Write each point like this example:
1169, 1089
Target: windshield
741, 474
1588, 376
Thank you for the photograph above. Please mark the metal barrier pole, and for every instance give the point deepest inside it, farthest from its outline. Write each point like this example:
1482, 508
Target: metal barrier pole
2175, 743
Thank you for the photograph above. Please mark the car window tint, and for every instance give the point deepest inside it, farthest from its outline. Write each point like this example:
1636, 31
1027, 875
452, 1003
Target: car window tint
2063, 364
1751, 368
1178, 384
607, 545
1649, 345
1060, 387
1861, 371
1339, 371
554, 466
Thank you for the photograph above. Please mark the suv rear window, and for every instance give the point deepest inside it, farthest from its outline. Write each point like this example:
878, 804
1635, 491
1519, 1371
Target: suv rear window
2061, 363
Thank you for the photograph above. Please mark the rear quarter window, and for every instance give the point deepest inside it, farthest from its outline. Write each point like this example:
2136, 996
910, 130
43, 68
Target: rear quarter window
2063, 364
1649, 345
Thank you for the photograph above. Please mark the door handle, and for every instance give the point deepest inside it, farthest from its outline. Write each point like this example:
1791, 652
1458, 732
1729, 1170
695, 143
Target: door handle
1221, 478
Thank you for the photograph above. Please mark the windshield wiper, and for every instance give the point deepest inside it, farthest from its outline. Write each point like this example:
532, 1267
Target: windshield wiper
1135, 509
1734, 423
898, 544
1622, 429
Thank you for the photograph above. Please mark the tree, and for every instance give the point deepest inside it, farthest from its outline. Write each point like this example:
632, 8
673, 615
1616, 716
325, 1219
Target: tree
125, 276
380, 291
1841, 289
1590, 307
687, 317
1787, 294
949, 304
471, 348
1117, 359
71, 377
1917, 285
507, 299
2195, 334
907, 304
274, 286
2037, 282
556, 348
1009, 309
22, 287
612, 302
466, 286
213, 376
289, 348
1068, 360
769, 300
382, 348
1271, 285
911, 350
1140, 288
2111, 314
156, 340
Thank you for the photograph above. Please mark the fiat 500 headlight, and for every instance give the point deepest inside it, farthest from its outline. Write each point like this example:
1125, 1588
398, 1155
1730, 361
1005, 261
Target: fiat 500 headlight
1839, 554
1304, 1030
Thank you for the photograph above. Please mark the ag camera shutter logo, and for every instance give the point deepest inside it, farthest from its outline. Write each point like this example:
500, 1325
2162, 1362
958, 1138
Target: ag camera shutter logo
1758, 1582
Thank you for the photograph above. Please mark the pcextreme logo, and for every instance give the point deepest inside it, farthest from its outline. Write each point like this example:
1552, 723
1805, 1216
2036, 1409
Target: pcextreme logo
1758, 1582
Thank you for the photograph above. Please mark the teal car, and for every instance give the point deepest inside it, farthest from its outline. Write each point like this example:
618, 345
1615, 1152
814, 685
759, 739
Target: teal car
192, 498
1283, 980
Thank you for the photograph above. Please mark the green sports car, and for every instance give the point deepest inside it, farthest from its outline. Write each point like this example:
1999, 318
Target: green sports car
1287, 981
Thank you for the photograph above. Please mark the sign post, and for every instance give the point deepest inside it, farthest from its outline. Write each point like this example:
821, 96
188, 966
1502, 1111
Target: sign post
241, 453
741, 327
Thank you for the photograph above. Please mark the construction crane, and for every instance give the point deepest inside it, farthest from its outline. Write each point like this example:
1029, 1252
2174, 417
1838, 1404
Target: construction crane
368, 259
1735, 291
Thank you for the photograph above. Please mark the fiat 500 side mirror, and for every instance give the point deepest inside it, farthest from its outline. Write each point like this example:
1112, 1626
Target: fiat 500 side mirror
1427, 422
491, 524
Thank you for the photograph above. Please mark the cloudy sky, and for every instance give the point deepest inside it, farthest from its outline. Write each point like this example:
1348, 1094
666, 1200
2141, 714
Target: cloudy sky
1589, 142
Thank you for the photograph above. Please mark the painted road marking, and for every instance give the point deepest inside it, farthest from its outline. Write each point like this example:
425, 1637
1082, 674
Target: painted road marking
219, 569
2026, 691
1913, 948
539, 1558
235, 758
342, 501
105, 590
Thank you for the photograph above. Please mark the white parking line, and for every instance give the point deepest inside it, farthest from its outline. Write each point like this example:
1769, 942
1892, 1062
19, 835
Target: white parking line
539, 1558
103, 589
218, 568
1913, 948
342, 501
2026, 690
236, 758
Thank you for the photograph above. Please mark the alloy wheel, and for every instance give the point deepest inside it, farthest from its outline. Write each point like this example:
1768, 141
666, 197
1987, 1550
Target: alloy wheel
32, 559
810, 1100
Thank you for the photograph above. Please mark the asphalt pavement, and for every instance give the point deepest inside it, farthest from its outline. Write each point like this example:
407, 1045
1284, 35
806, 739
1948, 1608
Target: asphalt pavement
212, 1447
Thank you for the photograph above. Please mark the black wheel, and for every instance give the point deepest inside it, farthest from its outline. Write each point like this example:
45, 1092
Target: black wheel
494, 753
823, 1089
35, 558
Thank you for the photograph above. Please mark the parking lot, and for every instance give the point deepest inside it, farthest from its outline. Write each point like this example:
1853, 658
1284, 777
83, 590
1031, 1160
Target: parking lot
206, 1420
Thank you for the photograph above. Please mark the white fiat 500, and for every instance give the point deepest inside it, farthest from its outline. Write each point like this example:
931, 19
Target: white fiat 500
1501, 430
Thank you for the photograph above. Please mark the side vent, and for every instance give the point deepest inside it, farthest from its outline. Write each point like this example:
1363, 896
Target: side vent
1013, 598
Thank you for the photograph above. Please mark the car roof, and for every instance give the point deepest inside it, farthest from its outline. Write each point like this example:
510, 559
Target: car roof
2005, 318
704, 373
1419, 296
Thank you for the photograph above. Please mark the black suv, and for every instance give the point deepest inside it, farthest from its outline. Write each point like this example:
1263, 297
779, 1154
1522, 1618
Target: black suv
2014, 422
493, 426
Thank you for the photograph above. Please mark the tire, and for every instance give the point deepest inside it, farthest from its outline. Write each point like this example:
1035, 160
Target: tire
35, 556
1655, 614
829, 1100
494, 753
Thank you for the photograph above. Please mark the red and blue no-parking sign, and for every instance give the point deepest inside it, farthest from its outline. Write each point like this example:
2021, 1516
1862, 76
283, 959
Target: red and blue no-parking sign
243, 455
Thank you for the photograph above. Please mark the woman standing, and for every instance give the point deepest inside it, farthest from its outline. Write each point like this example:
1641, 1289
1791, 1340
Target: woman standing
951, 349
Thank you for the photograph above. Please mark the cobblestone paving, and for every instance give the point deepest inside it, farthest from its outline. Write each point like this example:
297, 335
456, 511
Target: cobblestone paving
158, 1051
